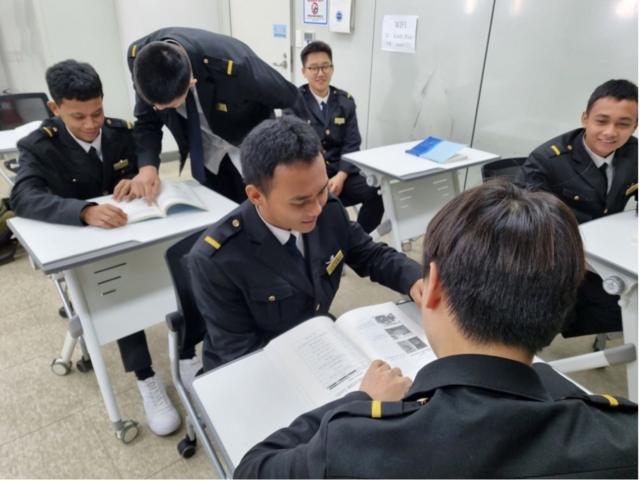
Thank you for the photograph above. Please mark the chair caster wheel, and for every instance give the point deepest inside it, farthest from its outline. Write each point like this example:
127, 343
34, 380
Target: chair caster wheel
59, 367
84, 365
128, 432
62, 312
187, 447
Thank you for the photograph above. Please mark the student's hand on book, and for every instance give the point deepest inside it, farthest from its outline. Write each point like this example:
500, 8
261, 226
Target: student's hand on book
383, 383
123, 191
106, 216
336, 183
416, 291
146, 184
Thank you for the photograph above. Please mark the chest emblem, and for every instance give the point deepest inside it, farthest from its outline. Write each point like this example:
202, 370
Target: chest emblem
334, 261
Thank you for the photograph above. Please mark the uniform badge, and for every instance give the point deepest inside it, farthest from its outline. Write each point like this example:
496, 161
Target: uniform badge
221, 107
121, 164
631, 190
338, 120
334, 261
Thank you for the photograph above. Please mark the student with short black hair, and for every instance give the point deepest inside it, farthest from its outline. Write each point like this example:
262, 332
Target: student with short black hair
332, 114
77, 155
501, 269
594, 170
276, 260
210, 90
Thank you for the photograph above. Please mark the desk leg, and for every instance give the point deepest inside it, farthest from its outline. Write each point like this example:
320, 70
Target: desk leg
126, 430
629, 306
389, 208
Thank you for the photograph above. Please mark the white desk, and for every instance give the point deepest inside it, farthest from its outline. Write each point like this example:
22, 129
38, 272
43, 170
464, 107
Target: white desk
413, 189
9, 138
611, 249
117, 279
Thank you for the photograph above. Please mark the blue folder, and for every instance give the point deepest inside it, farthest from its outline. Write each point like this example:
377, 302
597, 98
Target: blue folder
435, 149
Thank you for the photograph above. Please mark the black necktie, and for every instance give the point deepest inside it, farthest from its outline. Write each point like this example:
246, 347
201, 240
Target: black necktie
603, 171
324, 110
295, 253
195, 140
96, 167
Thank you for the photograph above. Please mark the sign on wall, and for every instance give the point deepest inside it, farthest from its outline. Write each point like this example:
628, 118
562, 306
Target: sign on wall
399, 33
315, 11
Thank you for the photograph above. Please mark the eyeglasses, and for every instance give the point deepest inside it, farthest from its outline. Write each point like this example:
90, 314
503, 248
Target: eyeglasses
317, 68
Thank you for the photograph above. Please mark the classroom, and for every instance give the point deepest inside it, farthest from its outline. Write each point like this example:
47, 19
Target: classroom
222, 217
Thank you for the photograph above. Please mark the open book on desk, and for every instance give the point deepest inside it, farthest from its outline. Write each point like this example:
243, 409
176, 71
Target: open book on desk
309, 365
438, 150
173, 196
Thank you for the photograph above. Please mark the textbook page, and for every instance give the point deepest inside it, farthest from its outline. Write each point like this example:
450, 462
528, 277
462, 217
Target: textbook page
171, 195
322, 363
383, 331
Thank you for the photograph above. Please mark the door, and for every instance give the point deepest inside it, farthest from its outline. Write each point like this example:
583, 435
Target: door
266, 27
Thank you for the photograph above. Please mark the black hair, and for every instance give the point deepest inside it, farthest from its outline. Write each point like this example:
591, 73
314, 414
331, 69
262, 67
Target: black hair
161, 72
510, 262
73, 80
618, 89
281, 141
315, 47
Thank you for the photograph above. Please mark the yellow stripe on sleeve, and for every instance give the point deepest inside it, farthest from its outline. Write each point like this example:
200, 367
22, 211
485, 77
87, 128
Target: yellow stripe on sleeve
229, 67
376, 409
613, 402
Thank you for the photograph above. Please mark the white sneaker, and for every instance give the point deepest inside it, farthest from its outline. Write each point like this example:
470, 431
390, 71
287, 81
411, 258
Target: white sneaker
188, 370
162, 416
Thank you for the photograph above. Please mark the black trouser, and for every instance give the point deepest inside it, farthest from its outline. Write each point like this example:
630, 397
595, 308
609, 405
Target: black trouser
134, 350
356, 191
227, 181
595, 311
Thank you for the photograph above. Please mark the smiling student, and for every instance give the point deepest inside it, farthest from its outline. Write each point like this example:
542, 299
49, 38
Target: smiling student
275, 261
594, 170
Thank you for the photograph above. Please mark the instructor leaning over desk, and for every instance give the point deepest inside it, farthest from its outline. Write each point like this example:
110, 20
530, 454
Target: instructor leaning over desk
276, 260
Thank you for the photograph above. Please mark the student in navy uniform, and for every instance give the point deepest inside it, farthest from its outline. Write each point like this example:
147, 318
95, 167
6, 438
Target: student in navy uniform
594, 170
276, 260
482, 409
77, 155
210, 90
332, 114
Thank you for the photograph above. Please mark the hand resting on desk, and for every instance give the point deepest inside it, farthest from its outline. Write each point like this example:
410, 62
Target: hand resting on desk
106, 216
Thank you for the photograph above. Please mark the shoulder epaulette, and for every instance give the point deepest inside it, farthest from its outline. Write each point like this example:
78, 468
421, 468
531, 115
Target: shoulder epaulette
48, 129
343, 93
216, 237
225, 66
381, 409
611, 402
119, 123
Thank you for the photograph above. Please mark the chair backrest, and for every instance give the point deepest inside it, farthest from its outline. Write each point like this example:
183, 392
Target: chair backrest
19, 109
507, 168
176, 262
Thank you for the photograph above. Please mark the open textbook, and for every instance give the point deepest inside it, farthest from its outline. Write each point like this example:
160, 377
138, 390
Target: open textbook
173, 196
438, 150
309, 365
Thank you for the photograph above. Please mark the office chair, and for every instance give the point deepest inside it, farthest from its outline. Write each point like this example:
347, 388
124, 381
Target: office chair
507, 168
18, 109
187, 322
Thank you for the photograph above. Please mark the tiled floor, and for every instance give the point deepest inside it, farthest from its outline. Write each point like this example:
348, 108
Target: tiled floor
57, 427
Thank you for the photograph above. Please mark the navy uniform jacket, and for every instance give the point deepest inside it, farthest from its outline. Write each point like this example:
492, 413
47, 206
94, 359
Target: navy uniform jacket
466, 416
563, 167
237, 91
249, 289
56, 175
339, 134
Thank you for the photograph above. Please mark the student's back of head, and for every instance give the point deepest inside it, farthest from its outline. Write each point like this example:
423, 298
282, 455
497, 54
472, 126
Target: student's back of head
510, 262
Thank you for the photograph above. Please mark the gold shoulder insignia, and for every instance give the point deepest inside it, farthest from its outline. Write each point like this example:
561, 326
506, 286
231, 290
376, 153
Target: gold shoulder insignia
555, 149
631, 190
134, 51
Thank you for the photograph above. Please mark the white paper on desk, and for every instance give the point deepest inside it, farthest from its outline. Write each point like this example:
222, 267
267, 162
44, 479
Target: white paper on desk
9, 138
